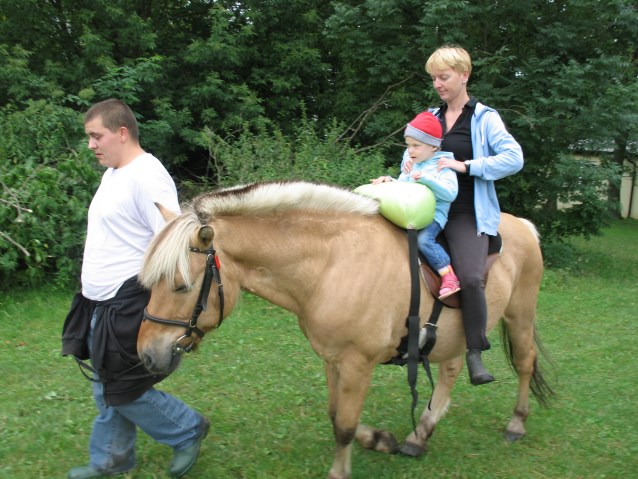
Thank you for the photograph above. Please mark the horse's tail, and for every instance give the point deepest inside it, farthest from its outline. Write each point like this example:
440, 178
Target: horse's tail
532, 227
539, 385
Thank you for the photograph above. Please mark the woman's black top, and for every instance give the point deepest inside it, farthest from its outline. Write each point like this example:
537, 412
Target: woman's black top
458, 140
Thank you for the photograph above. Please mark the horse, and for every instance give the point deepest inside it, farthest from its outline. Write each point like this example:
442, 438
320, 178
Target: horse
325, 254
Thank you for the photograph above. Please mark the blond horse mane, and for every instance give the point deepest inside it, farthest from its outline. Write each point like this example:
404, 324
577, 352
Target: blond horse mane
275, 197
167, 255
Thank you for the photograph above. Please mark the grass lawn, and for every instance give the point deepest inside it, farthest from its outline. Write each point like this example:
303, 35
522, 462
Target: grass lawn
263, 389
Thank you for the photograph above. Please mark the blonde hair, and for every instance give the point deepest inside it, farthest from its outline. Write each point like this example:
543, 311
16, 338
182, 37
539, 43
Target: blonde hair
449, 56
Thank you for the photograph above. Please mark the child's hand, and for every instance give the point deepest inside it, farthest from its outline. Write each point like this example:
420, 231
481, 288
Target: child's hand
381, 179
416, 175
407, 167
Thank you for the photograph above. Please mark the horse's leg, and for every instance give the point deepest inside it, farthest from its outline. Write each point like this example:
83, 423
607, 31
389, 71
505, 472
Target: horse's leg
369, 437
416, 444
332, 379
348, 384
520, 332
379, 440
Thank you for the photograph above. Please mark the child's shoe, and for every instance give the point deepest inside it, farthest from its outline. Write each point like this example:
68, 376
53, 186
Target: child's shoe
449, 285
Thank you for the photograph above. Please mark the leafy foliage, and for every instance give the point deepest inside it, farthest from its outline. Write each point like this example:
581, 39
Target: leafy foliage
46, 187
273, 156
229, 90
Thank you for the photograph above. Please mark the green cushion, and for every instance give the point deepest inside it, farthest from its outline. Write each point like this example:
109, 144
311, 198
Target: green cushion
408, 205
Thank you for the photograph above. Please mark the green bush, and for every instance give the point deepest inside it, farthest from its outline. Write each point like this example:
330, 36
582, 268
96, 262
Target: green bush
47, 182
48, 179
269, 155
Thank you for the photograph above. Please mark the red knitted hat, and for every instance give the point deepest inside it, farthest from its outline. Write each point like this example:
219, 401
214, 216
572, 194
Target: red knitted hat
425, 128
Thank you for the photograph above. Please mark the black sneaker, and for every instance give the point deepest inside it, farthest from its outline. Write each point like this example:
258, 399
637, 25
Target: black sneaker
185, 459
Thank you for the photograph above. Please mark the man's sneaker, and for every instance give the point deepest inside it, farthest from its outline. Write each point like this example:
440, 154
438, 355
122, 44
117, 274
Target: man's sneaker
185, 459
84, 472
449, 285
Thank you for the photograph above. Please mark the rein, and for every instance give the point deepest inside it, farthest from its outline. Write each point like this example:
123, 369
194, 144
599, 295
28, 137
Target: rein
411, 353
211, 273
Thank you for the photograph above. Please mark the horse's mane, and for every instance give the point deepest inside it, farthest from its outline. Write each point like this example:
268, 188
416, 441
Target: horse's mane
275, 197
167, 254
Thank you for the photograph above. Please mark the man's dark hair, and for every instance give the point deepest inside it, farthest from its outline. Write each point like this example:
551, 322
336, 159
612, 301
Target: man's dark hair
115, 113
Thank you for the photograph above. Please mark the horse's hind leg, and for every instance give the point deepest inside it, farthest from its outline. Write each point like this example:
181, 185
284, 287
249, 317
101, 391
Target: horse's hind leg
416, 444
518, 337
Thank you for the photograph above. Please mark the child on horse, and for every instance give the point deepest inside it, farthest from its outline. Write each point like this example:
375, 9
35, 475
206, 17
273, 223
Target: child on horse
423, 137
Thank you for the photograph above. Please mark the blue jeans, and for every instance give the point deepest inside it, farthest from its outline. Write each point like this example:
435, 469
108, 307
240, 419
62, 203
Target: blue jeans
163, 417
433, 251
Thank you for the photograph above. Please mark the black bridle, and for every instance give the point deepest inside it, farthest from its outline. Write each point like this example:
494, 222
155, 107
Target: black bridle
211, 273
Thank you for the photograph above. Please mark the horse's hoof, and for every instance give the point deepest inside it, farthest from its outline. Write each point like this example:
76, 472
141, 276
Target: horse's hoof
387, 443
411, 449
512, 436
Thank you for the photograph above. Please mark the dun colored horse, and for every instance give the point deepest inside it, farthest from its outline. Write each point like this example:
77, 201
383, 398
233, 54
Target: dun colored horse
326, 255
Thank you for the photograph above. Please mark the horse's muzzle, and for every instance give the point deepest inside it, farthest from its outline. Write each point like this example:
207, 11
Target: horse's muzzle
163, 363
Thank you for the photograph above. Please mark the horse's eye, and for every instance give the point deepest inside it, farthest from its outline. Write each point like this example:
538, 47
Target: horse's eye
182, 289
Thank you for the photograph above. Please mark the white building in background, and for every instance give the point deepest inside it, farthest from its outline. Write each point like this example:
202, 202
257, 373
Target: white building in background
629, 180
629, 191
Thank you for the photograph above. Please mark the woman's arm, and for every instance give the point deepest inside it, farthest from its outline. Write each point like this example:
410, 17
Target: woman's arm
499, 154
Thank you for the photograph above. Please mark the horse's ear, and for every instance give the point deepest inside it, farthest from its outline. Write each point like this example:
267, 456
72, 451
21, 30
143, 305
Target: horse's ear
165, 212
206, 234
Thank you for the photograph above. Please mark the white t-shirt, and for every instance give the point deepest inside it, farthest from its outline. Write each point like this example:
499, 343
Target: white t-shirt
122, 221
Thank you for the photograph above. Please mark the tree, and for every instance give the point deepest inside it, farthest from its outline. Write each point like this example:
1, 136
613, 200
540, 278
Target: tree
46, 184
555, 71
258, 72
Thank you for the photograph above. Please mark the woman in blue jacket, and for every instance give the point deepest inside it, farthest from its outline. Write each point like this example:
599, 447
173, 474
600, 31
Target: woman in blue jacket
484, 151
